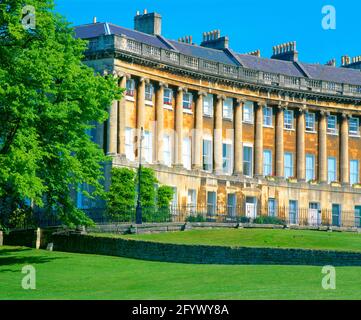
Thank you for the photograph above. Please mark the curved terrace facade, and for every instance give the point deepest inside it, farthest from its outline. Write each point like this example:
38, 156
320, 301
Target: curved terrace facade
235, 134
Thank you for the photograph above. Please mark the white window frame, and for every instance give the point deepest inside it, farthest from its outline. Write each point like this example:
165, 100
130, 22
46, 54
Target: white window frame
187, 153
310, 117
248, 116
149, 90
208, 156
292, 169
167, 150
247, 145
267, 167
267, 116
332, 130
168, 98
187, 101
208, 105
130, 88
272, 210
228, 109
227, 159
147, 146
213, 205
232, 209
357, 132
286, 124
334, 171
354, 176
129, 144
192, 201
310, 170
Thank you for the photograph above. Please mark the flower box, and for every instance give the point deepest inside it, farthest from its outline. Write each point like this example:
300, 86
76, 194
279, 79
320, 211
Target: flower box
335, 184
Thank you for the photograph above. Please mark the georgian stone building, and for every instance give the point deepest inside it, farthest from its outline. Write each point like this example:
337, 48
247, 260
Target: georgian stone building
233, 133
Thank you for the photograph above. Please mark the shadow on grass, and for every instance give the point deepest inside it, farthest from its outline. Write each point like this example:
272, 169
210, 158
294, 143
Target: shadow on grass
9, 258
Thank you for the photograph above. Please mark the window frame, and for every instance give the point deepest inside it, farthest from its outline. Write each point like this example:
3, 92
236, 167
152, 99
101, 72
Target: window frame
129, 145
209, 165
187, 104
332, 130
334, 171
250, 162
148, 95
313, 117
209, 101
268, 116
354, 133
227, 158
167, 138
168, 99
227, 114
307, 170
285, 123
292, 167
187, 156
357, 173
130, 91
147, 148
274, 208
249, 104
268, 165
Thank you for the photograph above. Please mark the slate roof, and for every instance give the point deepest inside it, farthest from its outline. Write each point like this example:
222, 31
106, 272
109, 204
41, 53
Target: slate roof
296, 69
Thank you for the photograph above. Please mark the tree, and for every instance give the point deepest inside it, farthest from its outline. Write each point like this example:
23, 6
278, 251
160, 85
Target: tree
121, 195
164, 196
48, 98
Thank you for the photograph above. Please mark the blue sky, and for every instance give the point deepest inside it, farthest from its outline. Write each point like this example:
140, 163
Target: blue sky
250, 25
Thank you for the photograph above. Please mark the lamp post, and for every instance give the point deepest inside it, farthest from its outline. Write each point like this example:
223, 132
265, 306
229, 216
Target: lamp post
138, 211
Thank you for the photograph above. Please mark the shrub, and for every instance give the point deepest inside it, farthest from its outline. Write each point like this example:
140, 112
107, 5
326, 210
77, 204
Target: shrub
198, 218
164, 197
243, 219
268, 220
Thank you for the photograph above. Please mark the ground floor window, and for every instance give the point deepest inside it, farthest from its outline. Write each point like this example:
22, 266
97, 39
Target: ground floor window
231, 205
293, 211
211, 203
272, 207
358, 216
192, 201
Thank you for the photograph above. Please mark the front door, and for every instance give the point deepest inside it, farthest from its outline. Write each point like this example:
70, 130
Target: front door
251, 207
293, 212
314, 214
336, 215
358, 216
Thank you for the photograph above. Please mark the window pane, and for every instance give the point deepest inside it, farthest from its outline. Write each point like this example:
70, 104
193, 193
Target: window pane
288, 165
267, 162
331, 167
310, 167
248, 111
247, 161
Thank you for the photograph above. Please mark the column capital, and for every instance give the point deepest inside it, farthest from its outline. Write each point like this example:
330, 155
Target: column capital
281, 106
240, 102
145, 80
221, 97
163, 84
303, 109
261, 103
345, 115
182, 89
202, 93
324, 113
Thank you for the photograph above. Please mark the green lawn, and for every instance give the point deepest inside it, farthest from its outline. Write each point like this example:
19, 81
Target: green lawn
259, 238
76, 276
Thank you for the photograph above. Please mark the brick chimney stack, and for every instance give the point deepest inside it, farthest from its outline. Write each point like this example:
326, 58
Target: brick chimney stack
286, 51
150, 23
214, 40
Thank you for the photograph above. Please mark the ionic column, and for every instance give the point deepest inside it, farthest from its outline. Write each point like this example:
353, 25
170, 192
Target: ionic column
279, 142
122, 118
322, 147
159, 101
140, 111
258, 148
238, 146
301, 157
198, 133
217, 135
178, 128
344, 157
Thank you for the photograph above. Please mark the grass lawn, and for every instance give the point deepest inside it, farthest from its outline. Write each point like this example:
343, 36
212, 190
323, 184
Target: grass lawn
77, 276
259, 238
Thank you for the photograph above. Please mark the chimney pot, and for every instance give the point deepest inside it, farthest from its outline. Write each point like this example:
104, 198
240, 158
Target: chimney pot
94, 19
145, 11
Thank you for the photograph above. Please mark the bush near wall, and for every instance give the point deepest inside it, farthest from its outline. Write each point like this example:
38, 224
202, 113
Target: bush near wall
201, 254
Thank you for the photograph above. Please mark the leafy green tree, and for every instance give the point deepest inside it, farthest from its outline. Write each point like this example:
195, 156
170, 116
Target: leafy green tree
121, 195
48, 98
164, 198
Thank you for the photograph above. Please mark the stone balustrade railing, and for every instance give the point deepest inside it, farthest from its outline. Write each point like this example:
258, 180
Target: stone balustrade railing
121, 43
